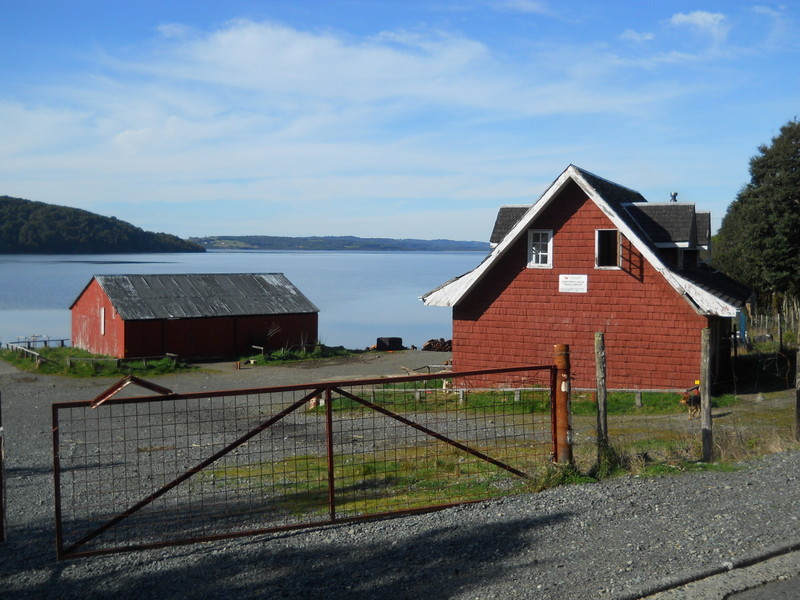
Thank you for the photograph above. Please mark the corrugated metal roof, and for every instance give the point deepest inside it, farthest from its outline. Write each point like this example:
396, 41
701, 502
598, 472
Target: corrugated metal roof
189, 296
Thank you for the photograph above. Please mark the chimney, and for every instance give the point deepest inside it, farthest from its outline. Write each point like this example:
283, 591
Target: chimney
673, 197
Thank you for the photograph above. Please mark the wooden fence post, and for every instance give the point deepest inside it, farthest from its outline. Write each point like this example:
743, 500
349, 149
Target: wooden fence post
797, 415
797, 398
602, 395
705, 395
563, 408
797, 370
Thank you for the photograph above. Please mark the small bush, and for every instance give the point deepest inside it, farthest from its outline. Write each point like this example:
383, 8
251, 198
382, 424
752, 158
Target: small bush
284, 355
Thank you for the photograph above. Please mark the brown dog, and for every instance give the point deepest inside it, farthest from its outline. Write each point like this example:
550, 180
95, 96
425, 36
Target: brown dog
691, 400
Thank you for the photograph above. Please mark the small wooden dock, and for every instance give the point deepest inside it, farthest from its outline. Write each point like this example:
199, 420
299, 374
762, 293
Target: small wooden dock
40, 341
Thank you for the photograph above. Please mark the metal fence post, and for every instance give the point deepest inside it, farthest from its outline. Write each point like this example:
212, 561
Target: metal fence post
329, 452
562, 412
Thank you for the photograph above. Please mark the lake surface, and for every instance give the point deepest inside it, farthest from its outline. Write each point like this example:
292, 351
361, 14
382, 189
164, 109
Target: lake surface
361, 295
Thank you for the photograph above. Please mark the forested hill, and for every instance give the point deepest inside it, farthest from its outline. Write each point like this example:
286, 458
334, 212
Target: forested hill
28, 227
268, 242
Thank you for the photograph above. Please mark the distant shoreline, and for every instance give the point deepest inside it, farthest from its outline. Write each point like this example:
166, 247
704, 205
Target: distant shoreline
344, 243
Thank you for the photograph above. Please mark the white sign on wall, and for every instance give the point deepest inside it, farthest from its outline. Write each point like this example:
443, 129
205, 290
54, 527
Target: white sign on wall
573, 284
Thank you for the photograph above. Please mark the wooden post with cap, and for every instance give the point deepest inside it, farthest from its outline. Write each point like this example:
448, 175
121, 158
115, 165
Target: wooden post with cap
563, 427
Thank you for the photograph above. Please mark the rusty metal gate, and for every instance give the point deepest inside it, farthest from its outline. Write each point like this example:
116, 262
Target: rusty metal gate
154, 470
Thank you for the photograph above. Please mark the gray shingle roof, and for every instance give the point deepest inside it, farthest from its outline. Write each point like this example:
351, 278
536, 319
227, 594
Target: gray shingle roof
703, 228
666, 223
507, 217
717, 283
611, 192
187, 296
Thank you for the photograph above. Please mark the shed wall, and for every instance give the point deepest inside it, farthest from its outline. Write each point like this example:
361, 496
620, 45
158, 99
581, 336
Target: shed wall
218, 336
96, 326
516, 314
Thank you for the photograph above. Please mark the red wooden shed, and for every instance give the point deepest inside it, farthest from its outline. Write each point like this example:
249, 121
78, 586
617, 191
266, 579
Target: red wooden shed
191, 315
594, 256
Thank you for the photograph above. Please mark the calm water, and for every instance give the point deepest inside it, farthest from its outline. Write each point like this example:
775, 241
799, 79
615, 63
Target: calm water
361, 295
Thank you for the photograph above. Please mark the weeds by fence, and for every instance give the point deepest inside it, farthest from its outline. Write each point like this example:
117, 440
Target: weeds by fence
780, 319
664, 438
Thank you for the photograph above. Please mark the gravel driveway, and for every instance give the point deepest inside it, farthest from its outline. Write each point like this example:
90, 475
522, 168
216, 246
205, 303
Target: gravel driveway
621, 538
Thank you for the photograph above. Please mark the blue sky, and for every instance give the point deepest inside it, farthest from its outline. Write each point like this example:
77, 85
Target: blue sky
389, 119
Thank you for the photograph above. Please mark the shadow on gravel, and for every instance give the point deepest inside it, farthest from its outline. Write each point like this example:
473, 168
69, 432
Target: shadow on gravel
352, 561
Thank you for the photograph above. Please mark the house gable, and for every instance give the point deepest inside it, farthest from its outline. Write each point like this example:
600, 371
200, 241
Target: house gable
517, 314
619, 204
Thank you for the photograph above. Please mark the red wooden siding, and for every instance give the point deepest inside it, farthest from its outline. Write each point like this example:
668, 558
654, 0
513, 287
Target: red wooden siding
218, 336
516, 314
96, 327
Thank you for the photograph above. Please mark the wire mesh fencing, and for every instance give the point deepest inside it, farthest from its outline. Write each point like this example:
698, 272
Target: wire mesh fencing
657, 428
156, 470
642, 427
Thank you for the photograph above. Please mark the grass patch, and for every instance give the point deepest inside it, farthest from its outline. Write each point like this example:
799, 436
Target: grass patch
428, 396
554, 475
401, 479
75, 362
653, 403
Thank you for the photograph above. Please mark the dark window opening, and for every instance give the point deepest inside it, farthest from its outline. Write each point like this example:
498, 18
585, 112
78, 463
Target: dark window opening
607, 248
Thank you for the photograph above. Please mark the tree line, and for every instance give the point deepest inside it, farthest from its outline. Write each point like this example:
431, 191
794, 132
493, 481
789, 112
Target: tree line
270, 242
758, 242
29, 227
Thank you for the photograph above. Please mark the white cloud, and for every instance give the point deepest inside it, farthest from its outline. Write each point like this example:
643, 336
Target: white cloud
524, 6
713, 24
766, 10
635, 36
783, 31
173, 30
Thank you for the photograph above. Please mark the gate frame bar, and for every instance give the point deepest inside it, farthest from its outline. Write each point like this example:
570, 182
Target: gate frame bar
315, 390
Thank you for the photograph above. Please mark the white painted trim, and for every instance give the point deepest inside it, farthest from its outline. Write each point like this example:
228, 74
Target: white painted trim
549, 263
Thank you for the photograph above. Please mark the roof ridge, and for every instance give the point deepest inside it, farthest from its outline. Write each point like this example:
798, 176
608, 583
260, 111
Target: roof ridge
601, 178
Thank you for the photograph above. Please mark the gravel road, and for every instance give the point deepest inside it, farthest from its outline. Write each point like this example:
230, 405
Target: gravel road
622, 538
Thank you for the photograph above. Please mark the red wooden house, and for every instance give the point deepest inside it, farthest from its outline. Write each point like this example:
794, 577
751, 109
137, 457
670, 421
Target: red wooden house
191, 315
594, 256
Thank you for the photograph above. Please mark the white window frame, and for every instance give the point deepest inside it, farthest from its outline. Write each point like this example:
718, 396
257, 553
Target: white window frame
540, 259
618, 261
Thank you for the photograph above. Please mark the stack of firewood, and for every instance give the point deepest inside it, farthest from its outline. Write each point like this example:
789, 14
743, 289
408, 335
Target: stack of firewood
440, 345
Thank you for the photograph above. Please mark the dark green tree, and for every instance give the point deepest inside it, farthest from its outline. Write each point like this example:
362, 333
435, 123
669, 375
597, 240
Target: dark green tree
759, 240
28, 227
